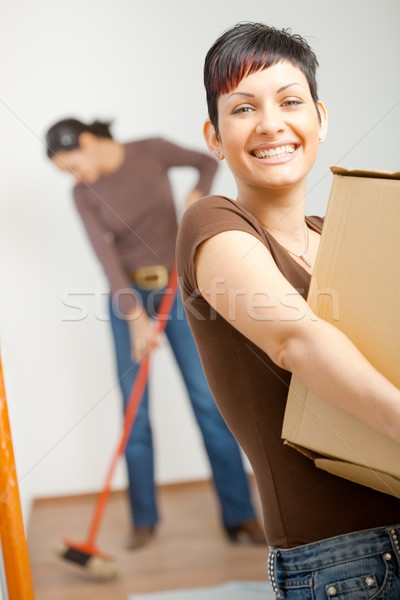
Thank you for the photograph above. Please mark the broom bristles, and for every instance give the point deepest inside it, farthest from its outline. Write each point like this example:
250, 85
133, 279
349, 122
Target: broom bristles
97, 566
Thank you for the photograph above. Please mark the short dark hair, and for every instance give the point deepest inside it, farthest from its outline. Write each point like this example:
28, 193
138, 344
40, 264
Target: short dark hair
64, 135
249, 47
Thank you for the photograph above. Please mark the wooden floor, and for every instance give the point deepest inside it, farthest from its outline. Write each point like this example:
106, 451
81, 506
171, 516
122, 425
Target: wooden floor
190, 549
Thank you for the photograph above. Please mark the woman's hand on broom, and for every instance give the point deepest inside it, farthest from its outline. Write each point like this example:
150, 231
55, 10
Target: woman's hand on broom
144, 336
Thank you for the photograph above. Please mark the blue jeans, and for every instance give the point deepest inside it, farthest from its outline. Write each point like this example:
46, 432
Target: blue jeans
230, 479
357, 566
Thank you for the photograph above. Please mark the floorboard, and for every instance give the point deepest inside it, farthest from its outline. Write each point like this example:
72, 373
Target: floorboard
190, 549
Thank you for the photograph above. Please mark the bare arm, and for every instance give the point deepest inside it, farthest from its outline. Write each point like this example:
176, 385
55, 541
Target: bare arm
238, 277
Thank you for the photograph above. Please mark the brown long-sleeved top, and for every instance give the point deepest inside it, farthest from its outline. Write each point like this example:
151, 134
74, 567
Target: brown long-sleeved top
130, 215
301, 503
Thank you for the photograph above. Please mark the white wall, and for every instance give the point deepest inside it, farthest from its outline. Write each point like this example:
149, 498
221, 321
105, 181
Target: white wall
139, 63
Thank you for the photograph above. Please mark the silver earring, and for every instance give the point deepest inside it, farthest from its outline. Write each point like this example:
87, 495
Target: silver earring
218, 154
320, 139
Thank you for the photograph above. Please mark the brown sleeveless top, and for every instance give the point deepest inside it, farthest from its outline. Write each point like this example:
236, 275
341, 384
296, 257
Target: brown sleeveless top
301, 504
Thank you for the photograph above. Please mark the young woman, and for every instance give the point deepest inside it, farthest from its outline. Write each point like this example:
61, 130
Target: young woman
124, 198
245, 267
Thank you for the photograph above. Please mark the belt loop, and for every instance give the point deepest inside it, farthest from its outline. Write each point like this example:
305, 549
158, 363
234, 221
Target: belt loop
394, 535
272, 557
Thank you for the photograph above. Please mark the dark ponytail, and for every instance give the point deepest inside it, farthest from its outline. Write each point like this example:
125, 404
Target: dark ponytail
64, 135
100, 129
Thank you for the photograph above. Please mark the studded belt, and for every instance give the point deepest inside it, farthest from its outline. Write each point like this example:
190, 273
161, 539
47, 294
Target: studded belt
272, 573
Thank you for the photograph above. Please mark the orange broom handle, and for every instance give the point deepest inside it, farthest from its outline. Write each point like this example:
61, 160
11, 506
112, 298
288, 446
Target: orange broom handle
13, 541
132, 408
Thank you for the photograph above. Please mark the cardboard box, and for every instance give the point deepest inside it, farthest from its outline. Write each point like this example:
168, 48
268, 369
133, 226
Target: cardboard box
355, 287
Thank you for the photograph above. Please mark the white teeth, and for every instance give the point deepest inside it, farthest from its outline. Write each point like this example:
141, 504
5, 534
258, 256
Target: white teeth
280, 151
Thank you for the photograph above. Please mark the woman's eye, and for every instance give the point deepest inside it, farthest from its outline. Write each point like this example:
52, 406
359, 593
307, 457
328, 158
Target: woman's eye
242, 109
292, 102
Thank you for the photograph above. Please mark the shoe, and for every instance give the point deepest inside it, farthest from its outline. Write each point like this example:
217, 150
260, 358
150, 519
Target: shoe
139, 537
249, 532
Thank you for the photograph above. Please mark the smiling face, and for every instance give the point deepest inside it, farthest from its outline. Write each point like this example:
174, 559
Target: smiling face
269, 129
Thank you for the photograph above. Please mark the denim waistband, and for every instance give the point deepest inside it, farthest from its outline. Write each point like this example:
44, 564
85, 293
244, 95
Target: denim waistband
331, 551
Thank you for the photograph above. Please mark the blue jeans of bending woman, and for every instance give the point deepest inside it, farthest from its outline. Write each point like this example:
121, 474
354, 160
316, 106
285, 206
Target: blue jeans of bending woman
363, 565
226, 463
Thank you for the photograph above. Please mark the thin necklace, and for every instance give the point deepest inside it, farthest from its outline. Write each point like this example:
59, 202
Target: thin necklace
302, 256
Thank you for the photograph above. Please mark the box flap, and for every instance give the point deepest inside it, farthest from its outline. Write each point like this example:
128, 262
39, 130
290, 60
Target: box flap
338, 170
373, 478
306, 451
377, 480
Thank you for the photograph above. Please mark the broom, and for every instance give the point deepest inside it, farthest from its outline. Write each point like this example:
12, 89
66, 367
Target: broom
86, 554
